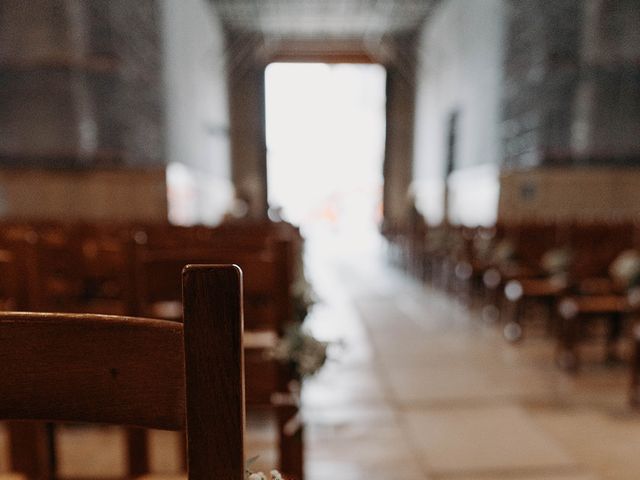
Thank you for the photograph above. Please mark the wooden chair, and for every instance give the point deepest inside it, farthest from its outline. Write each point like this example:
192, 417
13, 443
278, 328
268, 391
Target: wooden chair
576, 312
521, 293
138, 372
595, 296
268, 311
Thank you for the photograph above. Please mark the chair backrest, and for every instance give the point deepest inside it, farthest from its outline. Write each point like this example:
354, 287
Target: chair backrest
267, 280
138, 372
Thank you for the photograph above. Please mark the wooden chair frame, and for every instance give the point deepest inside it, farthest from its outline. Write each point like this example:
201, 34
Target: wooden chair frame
139, 372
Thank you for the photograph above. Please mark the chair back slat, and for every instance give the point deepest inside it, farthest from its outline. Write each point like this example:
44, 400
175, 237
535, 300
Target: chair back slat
92, 368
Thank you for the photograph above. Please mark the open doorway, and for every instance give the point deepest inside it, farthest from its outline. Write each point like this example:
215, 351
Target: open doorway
325, 126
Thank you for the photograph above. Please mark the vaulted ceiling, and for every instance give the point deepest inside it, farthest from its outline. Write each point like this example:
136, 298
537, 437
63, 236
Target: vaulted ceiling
317, 19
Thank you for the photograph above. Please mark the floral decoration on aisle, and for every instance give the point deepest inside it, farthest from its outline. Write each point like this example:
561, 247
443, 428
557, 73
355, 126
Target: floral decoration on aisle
301, 350
503, 253
557, 260
249, 475
298, 348
302, 292
273, 475
625, 272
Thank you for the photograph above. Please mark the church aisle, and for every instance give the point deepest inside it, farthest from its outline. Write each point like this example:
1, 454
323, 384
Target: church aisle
425, 390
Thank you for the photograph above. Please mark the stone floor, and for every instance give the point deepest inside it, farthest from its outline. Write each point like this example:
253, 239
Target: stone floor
419, 387
424, 389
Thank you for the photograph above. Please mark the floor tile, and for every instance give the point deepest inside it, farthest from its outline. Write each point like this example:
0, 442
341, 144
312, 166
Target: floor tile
604, 443
482, 438
549, 476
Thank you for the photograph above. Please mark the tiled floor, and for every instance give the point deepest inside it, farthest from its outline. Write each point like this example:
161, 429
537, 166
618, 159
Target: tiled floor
439, 394
420, 388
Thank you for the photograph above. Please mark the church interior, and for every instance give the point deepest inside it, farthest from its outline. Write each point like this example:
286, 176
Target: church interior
432, 206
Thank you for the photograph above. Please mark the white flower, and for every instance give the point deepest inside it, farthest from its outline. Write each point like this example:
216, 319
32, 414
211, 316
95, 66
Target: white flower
274, 475
557, 260
625, 269
249, 475
301, 350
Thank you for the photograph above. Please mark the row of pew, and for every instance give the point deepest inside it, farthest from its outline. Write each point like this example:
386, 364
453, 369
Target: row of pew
564, 269
135, 270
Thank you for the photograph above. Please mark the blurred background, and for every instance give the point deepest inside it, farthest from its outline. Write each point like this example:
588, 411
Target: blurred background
465, 175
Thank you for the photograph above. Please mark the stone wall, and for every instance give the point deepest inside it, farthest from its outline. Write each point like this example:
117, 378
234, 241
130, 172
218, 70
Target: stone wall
541, 73
400, 121
530, 88
607, 108
93, 90
571, 111
83, 194
81, 110
82, 84
459, 87
564, 193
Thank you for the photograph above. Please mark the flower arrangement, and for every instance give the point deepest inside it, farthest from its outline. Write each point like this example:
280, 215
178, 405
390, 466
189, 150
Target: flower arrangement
273, 475
557, 260
249, 475
625, 269
301, 350
504, 252
304, 297
298, 347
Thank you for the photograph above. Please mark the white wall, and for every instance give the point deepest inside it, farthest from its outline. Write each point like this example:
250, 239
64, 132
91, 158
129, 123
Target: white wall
197, 138
460, 68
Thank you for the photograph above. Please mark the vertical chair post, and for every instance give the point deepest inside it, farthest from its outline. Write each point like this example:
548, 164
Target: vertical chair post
634, 394
29, 452
212, 300
137, 442
291, 446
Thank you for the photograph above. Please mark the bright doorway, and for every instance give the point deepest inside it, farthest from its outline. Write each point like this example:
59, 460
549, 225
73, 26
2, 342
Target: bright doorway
325, 127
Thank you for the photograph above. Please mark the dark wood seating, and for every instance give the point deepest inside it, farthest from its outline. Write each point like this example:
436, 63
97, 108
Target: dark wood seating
134, 269
268, 276
634, 391
138, 372
594, 295
577, 311
521, 292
